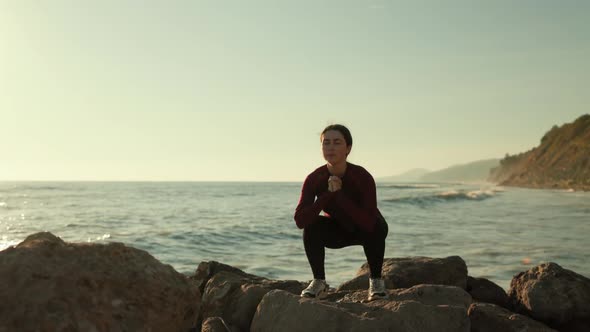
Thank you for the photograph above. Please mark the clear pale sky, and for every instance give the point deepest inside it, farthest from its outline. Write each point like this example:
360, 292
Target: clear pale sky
240, 90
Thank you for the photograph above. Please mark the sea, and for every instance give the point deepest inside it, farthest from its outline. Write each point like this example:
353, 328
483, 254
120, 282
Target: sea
498, 231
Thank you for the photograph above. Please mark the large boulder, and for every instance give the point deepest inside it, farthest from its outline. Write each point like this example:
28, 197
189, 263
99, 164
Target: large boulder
207, 269
425, 294
434, 295
554, 295
282, 311
483, 290
487, 317
49, 285
234, 296
411, 271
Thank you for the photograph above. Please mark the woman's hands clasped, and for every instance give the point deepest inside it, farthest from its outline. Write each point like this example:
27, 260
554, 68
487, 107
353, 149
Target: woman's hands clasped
334, 183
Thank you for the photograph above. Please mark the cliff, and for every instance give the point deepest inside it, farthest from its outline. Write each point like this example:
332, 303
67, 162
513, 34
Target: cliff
561, 161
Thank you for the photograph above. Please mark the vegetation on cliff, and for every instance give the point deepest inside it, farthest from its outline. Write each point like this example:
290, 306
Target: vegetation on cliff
562, 160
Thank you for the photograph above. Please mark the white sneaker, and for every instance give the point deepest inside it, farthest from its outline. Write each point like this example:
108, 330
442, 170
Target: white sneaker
377, 289
316, 288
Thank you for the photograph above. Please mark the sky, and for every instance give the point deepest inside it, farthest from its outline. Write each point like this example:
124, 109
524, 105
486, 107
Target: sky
241, 90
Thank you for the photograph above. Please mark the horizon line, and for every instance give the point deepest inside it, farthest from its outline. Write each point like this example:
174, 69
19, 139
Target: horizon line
217, 181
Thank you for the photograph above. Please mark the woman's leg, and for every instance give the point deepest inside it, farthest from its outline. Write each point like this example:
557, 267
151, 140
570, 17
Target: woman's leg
325, 232
374, 246
328, 233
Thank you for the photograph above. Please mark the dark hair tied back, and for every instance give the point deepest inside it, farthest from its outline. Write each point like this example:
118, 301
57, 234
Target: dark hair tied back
343, 130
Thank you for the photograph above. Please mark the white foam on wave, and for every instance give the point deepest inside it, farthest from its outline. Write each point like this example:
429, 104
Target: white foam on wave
5, 242
446, 196
473, 195
479, 194
99, 238
450, 193
2, 204
426, 186
410, 186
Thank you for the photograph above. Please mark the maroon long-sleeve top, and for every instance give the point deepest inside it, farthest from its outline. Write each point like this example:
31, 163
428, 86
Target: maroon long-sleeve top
355, 203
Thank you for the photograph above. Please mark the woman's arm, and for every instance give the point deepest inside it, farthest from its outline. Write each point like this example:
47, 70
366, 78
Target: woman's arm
364, 215
309, 208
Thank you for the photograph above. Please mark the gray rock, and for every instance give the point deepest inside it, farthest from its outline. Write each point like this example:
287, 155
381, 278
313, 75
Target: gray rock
206, 270
434, 295
487, 317
553, 295
411, 271
47, 284
425, 294
483, 290
235, 296
214, 324
282, 311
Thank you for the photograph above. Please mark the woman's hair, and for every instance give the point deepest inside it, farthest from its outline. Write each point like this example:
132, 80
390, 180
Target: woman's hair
342, 129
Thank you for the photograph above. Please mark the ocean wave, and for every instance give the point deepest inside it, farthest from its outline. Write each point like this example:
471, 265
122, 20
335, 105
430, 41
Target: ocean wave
471, 195
99, 238
410, 186
6, 206
446, 196
33, 187
4, 243
226, 195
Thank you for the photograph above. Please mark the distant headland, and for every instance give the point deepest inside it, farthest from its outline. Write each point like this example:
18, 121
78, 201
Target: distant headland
561, 161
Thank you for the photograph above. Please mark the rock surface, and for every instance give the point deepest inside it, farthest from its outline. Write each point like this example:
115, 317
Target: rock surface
487, 317
206, 270
282, 311
214, 324
49, 285
483, 290
234, 295
410, 271
425, 294
554, 295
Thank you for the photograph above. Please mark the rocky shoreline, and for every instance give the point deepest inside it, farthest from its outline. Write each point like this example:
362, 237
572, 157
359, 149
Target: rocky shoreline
47, 284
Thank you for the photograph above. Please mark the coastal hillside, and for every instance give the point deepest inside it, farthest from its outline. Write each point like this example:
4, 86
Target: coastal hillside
412, 175
562, 160
476, 171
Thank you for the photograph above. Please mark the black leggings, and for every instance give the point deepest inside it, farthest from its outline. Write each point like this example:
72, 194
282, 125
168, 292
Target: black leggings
327, 232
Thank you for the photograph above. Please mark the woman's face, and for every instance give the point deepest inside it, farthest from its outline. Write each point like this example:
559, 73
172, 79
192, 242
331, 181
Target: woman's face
334, 147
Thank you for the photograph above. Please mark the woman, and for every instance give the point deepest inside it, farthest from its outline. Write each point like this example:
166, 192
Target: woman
346, 194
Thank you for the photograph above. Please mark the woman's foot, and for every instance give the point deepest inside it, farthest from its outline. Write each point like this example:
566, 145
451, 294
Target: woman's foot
377, 289
315, 289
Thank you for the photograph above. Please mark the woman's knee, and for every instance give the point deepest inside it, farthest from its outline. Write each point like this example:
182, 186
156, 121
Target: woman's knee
382, 227
380, 230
